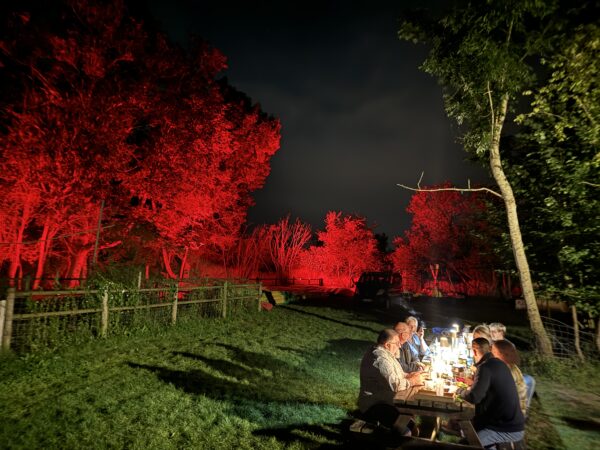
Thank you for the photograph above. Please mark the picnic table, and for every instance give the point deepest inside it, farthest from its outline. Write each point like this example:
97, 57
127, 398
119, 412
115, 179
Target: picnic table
428, 403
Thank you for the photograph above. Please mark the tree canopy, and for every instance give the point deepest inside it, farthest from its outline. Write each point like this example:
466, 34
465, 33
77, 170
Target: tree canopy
555, 163
99, 109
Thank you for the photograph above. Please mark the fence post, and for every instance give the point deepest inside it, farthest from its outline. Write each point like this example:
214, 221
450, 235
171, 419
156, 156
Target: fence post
174, 310
224, 308
139, 281
104, 324
8, 318
2, 316
259, 295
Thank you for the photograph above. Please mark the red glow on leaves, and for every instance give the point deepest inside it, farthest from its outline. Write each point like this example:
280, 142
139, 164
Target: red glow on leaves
446, 249
107, 112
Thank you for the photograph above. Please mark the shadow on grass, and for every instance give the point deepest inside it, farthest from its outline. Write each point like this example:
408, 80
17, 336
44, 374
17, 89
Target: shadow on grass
398, 310
329, 319
305, 434
540, 433
582, 424
242, 374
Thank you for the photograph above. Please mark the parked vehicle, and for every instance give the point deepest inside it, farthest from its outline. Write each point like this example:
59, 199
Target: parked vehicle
376, 287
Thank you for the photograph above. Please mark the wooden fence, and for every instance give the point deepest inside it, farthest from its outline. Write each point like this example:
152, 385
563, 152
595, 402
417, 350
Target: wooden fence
32, 310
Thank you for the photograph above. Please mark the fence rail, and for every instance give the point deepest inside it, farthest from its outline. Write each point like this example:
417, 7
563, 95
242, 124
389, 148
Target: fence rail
34, 319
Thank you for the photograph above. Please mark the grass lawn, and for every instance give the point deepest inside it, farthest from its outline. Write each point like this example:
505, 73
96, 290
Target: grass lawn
282, 379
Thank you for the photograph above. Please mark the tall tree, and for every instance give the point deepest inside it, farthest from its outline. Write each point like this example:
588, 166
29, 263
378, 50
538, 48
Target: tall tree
448, 229
284, 242
347, 248
101, 109
479, 52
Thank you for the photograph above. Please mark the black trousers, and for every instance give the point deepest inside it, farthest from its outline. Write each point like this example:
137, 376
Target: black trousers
390, 417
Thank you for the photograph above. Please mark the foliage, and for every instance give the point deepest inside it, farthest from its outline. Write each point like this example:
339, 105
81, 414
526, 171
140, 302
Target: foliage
347, 247
284, 243
557, 177
98, 109
483, 54
448, 228
479, 52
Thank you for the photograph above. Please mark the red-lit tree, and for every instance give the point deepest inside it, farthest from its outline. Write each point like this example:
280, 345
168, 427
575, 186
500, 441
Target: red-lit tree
347, 248
104, 111
449, 238
284, 242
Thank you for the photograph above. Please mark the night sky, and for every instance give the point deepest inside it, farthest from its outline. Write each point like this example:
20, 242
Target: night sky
357, 114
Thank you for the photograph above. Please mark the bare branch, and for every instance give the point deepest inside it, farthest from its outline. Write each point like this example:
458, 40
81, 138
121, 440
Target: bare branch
489, 93
467, 189
591, 184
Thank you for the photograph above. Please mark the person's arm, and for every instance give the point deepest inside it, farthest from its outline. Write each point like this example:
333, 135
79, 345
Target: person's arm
408, 361
480, 386
394, 377
423, 347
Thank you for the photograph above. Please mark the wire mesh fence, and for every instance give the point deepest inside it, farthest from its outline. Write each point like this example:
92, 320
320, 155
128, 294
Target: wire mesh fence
563, 340
32, 320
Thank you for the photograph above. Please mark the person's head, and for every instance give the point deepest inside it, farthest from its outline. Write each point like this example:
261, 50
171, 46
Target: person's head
480, 347
404, 332
482, 331
412, 323
497, 331
389, 340
506, 351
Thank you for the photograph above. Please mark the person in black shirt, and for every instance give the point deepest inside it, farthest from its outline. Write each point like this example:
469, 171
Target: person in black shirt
498, 417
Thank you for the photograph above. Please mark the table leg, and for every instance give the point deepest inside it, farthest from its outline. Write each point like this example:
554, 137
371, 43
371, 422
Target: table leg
436, 429
469, 432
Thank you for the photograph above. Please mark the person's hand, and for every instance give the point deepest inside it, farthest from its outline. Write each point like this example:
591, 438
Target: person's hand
415, 378
421, 366
420, 333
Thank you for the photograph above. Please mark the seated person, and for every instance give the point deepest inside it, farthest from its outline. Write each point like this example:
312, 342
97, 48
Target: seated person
381, 377
506, 352
498, 416
482, 331
497, 331
417, 340
407, 358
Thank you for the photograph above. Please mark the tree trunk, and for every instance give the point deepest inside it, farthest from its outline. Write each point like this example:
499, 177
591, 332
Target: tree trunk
598, 334
183, 263
79, 267
167, 262
45, 244
543, 341
15, 259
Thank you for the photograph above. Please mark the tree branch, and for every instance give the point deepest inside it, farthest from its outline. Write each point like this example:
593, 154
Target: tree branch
489, 93
591, 184
467, 189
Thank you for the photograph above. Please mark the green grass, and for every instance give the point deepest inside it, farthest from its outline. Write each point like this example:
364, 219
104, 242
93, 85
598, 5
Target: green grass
283, 379
269, 380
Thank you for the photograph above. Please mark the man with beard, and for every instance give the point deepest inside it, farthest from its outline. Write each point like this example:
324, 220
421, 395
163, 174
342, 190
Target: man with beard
381, 377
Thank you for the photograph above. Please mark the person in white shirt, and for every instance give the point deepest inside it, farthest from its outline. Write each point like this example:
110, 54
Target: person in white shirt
381, 377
